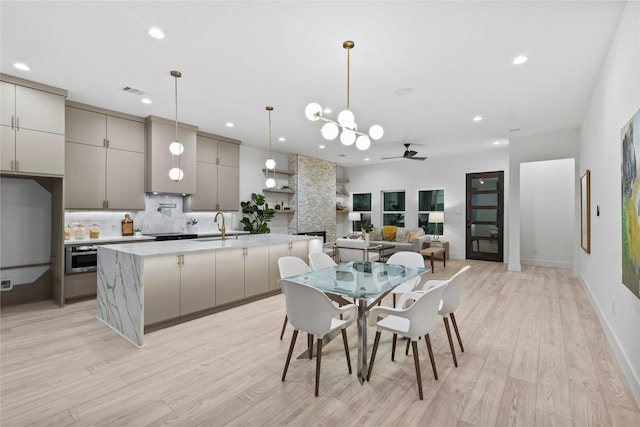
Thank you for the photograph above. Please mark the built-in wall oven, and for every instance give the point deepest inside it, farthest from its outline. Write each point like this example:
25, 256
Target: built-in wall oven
80, 259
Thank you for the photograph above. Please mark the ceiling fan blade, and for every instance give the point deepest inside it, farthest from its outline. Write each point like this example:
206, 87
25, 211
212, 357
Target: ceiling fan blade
416, 158
389, 158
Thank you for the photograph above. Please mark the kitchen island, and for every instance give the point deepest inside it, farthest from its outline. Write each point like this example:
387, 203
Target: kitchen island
148, 285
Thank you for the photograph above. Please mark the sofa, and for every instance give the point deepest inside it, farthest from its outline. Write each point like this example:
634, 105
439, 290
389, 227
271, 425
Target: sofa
402, 238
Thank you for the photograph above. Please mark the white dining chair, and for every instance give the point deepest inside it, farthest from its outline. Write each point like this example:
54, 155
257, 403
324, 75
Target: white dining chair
413, 322
310, 310
291, 266
449, 304
408, 259
320, 260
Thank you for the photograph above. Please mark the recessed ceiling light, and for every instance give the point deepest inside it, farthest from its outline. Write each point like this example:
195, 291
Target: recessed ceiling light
229, 124
321, 147
366, 159
496, 142
146, 101
327, 111
477, 119
282, 139
520, 60
156, 33
21, 66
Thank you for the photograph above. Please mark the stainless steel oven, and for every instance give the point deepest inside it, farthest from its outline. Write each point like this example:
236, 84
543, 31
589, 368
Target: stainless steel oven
80, 259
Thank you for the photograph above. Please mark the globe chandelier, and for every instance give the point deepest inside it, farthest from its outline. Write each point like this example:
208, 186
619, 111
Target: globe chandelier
270, 163
176, 148
346, 119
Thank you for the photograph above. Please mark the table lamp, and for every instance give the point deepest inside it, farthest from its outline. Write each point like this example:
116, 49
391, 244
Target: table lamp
436, 217
354, 216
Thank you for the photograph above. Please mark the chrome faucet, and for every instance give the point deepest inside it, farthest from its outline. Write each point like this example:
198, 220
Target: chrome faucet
223, 228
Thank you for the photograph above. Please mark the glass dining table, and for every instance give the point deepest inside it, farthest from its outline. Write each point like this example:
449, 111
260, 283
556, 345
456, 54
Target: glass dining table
368, 282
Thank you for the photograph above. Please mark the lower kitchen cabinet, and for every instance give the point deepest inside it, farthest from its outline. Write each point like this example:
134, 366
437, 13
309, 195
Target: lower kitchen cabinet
298, 249
241, 272
176, 285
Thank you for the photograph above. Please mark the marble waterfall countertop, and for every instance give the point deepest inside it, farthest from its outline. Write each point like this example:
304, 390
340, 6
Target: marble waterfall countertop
106, 239
204, 244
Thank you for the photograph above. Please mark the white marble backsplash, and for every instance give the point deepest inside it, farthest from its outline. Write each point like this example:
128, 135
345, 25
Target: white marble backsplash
163, 214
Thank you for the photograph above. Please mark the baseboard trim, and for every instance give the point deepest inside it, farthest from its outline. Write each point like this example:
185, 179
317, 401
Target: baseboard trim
547, 263
627, 368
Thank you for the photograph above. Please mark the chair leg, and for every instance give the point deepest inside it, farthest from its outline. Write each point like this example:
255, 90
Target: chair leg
455, 328
318, 359
433, 362
346, 348
394, 300
373, 354
453, 350
406, 350
284, 325
416, 361
310, 345
293, 342
393, 347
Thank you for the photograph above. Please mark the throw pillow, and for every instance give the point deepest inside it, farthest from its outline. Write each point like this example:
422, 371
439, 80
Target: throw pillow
376, 234
413, 234
390, 232
402, 235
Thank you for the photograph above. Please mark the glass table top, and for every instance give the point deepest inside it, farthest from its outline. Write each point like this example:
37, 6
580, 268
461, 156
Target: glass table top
359, 279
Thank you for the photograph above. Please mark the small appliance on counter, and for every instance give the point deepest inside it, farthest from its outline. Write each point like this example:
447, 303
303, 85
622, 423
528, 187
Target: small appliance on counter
78, 231
94, 231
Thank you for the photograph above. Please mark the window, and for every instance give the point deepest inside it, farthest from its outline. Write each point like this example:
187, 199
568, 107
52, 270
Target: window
430, 201
393, 205
362, 204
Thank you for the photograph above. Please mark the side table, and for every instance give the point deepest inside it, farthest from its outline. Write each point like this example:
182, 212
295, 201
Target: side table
441, 244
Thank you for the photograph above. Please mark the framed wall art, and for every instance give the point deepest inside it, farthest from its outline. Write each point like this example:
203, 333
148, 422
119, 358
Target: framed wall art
630, 187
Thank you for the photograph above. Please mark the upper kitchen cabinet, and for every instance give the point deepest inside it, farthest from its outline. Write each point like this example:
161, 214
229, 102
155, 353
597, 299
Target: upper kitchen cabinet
105, 159
33, 126
159, 134
218, 174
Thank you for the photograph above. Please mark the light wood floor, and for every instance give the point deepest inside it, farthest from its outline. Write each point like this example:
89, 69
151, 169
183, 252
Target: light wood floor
535, 356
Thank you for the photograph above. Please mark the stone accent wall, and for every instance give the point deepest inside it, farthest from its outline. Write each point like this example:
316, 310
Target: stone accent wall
314, 200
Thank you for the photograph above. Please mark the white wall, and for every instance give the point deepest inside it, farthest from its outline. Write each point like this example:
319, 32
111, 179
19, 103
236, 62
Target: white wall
615, 99
252, 180
535, 148
446, 173
547, 205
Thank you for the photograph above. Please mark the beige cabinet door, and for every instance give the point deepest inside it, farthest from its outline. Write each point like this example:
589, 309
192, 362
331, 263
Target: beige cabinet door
85, 127
207, 149
301, 250
228, 181
124, 180
229, 275
124, 134
7, 104
84, 179
161, 288
40, 152
39, 110
276, 252
159, 159
206, 195
228, 154
197, 282
256, 270
7, 148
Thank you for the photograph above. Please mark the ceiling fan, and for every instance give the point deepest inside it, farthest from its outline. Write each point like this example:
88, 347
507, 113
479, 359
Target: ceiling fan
408, 154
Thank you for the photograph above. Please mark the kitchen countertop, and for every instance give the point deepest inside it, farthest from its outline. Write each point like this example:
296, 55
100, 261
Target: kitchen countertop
195, 245
133, 239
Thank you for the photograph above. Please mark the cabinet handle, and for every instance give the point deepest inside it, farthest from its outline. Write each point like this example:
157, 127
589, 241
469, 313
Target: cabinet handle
104, 142
12, 120
12, 165
107, 142
17, 165
17, 123
217, 161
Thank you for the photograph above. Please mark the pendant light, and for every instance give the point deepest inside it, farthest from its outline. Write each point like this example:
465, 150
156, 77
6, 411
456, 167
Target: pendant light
270, 163
176, 148
346, 119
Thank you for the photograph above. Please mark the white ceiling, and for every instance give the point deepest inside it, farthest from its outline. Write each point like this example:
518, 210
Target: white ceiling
238, 57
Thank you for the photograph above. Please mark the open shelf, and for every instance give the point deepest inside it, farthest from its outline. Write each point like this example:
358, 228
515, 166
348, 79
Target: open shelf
280, 171
275, 190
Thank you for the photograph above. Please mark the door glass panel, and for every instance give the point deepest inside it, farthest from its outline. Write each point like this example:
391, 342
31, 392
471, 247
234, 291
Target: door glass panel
484, 230
484, 245
490, 199
484, 215
484, 184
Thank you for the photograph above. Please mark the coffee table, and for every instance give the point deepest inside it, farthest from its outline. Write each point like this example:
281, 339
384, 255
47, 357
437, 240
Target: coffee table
431, 253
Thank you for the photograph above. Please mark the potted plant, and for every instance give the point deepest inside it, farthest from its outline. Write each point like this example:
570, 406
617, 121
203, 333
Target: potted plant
137, 232
257, 214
